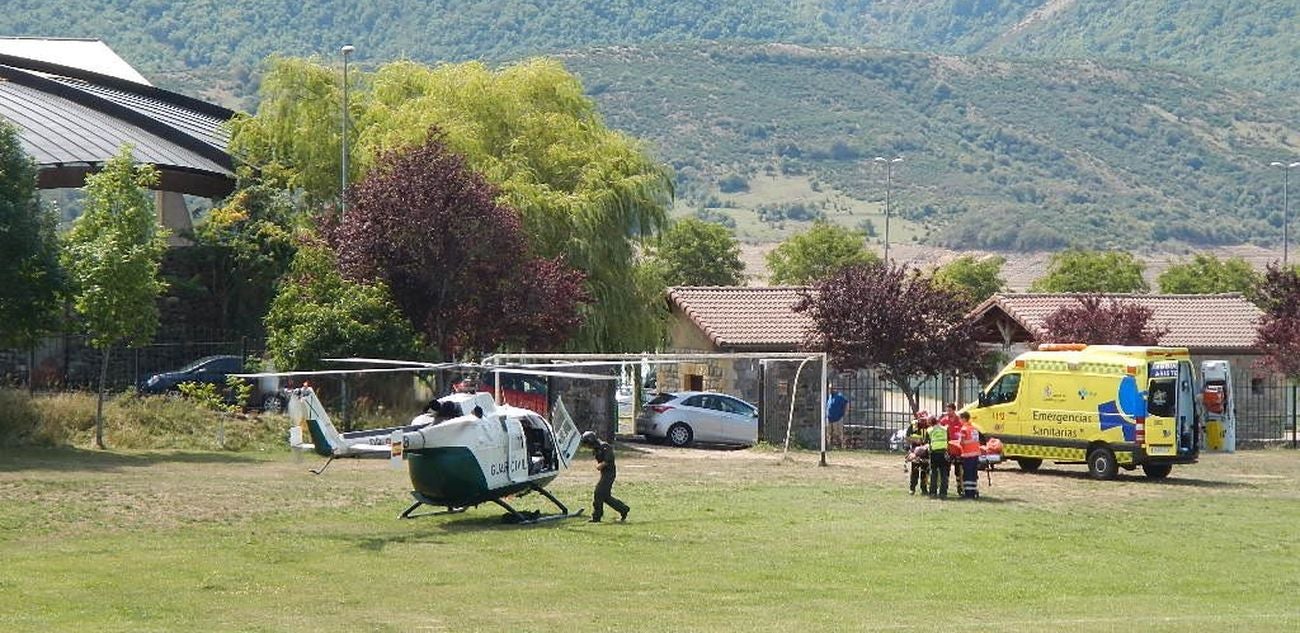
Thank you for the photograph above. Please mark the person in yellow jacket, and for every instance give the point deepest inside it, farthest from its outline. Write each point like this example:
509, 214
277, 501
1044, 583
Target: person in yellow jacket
938, 436
918, 454
968, 439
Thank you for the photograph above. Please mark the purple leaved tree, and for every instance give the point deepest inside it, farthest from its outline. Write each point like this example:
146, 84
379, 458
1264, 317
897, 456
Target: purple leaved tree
455, 259
1278, 335
894, 320
1099, 321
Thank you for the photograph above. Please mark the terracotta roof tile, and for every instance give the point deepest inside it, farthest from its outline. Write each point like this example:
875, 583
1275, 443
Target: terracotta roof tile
740, 316
1196, 321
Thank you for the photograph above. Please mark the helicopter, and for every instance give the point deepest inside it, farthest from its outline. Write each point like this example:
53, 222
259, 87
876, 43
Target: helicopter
305, 411
470, 450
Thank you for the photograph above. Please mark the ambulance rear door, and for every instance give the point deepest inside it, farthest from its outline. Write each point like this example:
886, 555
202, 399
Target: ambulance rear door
1189, 433
1162, 410
1171, 410
1219, 420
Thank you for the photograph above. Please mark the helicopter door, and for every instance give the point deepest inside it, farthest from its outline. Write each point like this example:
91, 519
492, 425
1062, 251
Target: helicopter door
516, 451
567, 438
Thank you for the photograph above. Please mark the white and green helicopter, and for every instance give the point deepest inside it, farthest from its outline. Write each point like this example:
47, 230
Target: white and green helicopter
468, 451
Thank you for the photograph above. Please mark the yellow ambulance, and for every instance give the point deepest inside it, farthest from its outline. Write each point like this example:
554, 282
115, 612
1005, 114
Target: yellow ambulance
1106, 406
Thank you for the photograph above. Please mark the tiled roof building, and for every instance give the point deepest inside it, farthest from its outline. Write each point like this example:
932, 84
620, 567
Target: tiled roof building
737, 318
744, 318
1203, 323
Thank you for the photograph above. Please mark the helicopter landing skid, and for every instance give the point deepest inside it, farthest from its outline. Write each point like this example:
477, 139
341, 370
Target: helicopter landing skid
317, 471
421, 500
530, 517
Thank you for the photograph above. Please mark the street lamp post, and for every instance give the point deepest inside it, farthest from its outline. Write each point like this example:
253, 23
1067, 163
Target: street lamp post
889, 182
343, 190
1286, 213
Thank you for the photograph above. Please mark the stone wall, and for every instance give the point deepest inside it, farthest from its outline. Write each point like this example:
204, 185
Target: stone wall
764, 385
590, 402
779, 383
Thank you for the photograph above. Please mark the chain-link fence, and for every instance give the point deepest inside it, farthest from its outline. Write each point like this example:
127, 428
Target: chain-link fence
69, 362
878, 408
1266, 410
1265, 407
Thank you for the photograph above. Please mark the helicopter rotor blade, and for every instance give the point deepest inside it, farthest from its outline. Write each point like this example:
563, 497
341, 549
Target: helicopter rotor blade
389, 361
331, 372
591, 363
538, 372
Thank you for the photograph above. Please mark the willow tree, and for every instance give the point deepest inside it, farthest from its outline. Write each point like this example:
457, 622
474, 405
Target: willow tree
585, 192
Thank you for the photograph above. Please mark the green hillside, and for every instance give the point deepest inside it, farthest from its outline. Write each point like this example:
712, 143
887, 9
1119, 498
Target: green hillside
998, 154
217, 47
1251, 42
1157, 143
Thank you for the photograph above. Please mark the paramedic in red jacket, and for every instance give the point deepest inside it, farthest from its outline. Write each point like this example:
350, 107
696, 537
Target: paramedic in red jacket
953, 423
969, 444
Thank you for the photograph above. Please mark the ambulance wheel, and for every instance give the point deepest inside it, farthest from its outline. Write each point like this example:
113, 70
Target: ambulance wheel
1101, 463
1029, 464
1157, 471
680, 435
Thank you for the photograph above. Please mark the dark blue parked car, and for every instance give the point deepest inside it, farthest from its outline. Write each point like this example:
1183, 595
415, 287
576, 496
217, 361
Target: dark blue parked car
209, 369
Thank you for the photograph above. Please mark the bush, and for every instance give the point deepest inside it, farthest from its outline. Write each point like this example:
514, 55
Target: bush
735, 183
23, 422
130, 422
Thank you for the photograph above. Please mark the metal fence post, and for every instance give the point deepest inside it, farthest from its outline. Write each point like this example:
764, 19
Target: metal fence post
347, 417
1293, 429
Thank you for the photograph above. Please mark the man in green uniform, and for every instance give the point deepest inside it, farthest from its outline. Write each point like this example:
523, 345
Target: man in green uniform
604, 453
918, 454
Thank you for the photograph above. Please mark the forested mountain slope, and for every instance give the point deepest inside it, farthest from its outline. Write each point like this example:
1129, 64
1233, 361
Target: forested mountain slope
204, 43
1000, 151
998, 154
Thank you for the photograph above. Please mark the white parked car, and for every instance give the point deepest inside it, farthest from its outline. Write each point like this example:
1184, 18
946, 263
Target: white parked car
698, 416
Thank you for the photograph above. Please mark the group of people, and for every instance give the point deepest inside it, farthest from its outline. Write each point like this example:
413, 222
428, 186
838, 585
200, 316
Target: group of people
936, 442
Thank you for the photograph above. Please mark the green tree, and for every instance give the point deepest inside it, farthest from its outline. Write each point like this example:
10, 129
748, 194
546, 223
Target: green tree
243, 248
1078, 270
821, 250
697, 253
585, 192
112, 256
30, 277
1207, 274
319, 314
972, 278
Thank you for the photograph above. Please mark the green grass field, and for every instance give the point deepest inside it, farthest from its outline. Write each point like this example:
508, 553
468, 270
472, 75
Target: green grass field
717, 541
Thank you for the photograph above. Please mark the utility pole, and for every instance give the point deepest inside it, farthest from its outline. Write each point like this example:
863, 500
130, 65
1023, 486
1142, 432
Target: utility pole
889, 183
1286, 212
343, 190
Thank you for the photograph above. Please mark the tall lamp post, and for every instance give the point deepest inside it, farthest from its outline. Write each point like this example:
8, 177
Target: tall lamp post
343, 190
1286, 213
889, 182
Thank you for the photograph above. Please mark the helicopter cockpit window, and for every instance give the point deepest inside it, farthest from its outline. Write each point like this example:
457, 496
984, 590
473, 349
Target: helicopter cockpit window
448, 410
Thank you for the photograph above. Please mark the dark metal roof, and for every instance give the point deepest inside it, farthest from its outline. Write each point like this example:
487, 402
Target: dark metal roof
72, 121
